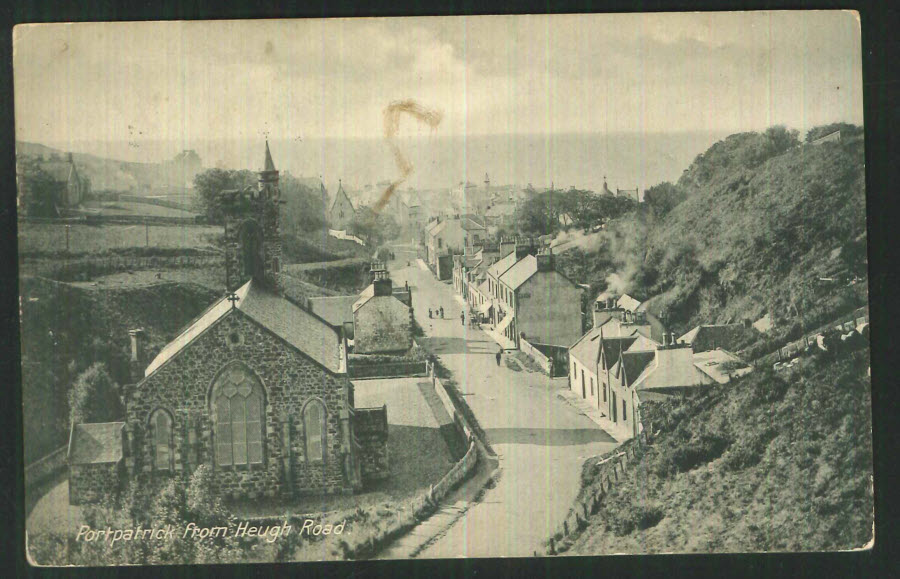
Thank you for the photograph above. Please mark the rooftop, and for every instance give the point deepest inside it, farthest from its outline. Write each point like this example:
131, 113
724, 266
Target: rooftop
96, 443
299, 328
520, 272
336, 310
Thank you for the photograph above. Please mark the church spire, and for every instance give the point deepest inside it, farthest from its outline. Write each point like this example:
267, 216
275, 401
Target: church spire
268, 165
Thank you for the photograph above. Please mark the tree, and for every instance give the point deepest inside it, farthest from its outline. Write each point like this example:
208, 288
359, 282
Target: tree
374, 228
95, 397
661, 199
303, 210
210, 183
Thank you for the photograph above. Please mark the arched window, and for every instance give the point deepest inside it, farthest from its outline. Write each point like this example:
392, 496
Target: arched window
314, 429
252, 253
237, 400
161, 436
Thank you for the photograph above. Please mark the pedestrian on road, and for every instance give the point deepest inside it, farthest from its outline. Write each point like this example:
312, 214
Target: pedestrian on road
499, 355
442, 312
429, 313
462, 318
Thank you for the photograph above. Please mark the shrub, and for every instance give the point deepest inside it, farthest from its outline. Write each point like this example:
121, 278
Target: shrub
637, 518
704, 448
95, 397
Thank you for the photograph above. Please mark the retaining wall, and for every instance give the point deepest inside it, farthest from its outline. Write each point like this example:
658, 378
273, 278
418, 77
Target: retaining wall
44, 468
535, 354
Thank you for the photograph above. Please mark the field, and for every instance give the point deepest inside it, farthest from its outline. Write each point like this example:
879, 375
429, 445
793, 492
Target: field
132, 208
49, 238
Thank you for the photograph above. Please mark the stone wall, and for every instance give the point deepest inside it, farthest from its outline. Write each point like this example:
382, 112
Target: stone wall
371, 429
90, 483
289, 379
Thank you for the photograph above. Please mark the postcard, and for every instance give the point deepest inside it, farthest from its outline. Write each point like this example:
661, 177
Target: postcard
442, 287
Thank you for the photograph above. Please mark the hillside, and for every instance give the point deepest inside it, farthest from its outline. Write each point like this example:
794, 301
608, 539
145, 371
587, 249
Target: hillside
748, 230
105, 174
766, 463
66, 328
758, 229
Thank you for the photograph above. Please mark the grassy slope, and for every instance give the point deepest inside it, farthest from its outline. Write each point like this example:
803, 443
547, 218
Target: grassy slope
753, 240
766, 463
66, 328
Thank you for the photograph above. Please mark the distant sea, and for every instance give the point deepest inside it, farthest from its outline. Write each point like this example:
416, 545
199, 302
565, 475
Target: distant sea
627, 160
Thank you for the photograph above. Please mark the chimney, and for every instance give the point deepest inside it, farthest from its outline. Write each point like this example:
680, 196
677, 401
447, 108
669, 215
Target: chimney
640, 318
138, 360
545, 260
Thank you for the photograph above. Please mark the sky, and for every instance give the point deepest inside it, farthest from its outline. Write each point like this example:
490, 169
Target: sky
485, 75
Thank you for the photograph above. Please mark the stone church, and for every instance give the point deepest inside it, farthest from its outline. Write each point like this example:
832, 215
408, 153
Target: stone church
256, 387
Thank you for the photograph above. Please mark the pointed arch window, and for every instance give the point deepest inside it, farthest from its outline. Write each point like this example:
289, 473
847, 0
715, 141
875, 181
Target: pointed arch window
314, 429
238, 409
161, 436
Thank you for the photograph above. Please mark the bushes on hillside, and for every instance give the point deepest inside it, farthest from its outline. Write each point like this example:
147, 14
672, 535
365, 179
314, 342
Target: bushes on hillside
95, 397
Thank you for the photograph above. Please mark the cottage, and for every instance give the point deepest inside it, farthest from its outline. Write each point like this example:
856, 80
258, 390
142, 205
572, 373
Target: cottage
256, 387
95, 456
382, 321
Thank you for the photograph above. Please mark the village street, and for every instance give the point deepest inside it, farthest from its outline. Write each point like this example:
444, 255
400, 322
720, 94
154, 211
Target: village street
541, 441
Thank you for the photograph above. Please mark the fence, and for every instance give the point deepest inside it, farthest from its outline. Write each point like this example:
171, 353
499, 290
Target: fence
387, 370
459, 472
848, 321
536, 355
340, 234
43, 468
612, 464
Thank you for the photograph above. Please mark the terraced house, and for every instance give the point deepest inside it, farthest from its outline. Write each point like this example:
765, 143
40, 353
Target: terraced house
530, 297
256, 387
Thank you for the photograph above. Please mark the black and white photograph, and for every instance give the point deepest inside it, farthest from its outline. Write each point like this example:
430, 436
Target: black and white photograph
342, 289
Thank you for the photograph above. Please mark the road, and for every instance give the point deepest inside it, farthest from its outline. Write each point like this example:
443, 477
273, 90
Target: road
541, 441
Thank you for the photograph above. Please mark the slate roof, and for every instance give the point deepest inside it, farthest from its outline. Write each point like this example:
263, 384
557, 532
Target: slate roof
710, 337
96, 443
520, 272
634, 363
614, 328
613, 347
297, 327
470, 223
627, 302
336, 310
670, 368
710, 363
587, 349
500, 266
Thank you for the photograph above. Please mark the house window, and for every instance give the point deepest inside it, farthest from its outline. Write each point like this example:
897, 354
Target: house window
604, 391
238, 406
314, 430
592, 386
161, 433
440, 243
342, 213
583, 395
624, 411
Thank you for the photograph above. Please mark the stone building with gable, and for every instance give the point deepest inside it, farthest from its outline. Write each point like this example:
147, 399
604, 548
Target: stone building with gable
256, 387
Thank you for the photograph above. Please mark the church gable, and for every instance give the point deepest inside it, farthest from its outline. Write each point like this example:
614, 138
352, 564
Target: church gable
237, 369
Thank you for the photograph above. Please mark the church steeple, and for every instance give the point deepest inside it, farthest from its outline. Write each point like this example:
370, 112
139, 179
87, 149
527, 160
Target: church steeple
268, 165
252, 236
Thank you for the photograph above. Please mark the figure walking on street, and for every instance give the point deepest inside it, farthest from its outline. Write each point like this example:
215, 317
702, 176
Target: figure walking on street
462, 318
429, 313
442, 312
499, 355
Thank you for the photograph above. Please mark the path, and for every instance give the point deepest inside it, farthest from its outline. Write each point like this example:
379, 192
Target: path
540, 440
